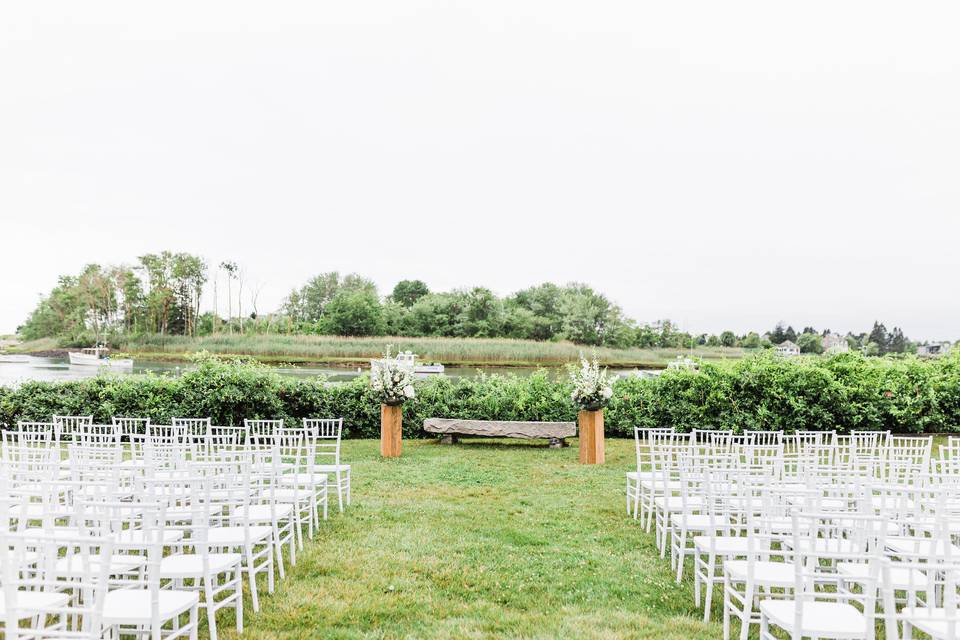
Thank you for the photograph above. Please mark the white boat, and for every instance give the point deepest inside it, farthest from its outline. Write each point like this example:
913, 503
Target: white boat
97, 357
13, 358
408, 360
683, 364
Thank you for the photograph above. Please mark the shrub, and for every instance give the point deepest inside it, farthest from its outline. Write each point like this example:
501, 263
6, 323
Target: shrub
843, 392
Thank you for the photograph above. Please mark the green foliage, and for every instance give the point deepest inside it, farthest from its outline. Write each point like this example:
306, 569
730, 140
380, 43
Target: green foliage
353, 312
844, 392
406, 292
810, 343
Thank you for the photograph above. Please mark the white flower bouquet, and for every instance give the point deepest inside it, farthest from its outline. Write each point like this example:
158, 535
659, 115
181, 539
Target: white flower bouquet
392, 381
592, 388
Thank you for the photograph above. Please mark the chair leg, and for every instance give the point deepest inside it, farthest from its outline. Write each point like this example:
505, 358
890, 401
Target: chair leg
211, 607
194, 622
708, 598
339, 490
255, 599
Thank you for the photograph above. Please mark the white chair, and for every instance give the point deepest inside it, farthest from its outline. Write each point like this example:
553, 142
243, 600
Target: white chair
32, 591
820, 542
145, 607
323, 443
641, 440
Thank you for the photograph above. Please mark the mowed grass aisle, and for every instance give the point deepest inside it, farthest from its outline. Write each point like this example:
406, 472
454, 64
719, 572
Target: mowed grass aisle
479, 540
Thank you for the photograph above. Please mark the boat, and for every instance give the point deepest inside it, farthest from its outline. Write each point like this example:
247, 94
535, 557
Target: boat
683, 364
13, 358
408, 360
97, 357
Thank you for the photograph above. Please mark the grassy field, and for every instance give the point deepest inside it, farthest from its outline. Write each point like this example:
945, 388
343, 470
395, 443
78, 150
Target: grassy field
485, 539
450, 351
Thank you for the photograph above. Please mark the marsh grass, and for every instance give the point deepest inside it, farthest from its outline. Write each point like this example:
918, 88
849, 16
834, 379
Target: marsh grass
450, 351
485, 539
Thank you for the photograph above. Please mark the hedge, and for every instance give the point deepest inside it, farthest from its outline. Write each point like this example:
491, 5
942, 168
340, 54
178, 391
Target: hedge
843, 392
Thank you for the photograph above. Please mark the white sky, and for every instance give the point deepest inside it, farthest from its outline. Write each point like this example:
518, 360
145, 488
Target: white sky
724, 164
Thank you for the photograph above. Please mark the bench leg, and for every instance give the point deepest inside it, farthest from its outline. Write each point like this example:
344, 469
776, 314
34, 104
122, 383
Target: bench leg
449, 438
557, 443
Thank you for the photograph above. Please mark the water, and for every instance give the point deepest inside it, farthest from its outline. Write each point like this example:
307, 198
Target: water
59, 369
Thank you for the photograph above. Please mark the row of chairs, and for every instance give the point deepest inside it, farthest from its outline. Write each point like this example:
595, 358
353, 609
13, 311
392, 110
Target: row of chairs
808, 534
324, 436
136, 541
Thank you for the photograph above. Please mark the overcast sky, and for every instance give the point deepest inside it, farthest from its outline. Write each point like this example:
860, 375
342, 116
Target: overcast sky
723, 164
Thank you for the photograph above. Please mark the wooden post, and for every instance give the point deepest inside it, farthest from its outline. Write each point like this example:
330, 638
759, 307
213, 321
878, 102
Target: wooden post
591, 437
391, 429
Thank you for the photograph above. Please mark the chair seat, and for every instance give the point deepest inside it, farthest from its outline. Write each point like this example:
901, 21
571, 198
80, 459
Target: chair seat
303, 479
728, 545
765, 572
932, 621
261, 512
184, 565
919, 546
133, 537
640, 475
821, 619
119, 565
132, 606
29, 603
656, 484
676, 504
699, 522
330, 468
903, 579
234, 536
291, 496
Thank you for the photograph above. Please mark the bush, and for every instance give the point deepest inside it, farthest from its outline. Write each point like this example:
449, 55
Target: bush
843, 392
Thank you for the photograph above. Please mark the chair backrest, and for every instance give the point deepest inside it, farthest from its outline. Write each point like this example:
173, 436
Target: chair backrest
191, 427
36, 431
131, 426
67, 426
323, 438
98, 434
641, 441
261, 430
763, 437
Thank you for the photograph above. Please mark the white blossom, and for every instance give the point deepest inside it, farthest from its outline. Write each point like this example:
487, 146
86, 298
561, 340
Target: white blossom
392, 382
591, 387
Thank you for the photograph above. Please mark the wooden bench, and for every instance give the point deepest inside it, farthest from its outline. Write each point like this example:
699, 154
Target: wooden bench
449, 429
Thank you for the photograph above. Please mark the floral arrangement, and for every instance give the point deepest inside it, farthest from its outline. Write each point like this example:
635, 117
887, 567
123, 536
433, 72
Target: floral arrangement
592, 388
392, 381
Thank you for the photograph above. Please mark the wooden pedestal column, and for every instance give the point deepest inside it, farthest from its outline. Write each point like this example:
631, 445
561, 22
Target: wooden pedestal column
391, 423
591, 437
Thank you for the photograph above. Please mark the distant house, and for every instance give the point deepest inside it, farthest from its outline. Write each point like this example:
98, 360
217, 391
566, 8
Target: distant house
835, 343
934, 349
788, 348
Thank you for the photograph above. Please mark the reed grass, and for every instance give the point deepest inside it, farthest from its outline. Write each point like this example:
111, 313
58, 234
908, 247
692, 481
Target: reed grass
449, 351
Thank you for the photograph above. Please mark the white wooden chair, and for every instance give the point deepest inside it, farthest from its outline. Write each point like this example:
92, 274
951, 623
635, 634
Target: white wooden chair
323, 442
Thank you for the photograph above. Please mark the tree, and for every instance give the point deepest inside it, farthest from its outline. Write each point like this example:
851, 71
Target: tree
878, 336
353, 313
897, 342
406, 292
810, 343
544, 302
751, 341
728, 339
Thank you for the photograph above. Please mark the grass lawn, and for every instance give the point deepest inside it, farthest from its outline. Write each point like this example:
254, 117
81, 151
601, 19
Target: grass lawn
485, 539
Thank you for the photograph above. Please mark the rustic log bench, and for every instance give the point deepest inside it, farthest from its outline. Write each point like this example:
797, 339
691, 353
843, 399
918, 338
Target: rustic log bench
449, 429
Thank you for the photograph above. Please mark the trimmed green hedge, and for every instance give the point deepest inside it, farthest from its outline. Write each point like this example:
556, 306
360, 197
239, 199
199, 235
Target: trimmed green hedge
765, 392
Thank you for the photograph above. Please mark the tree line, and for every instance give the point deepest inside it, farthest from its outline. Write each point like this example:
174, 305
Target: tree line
162, 294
